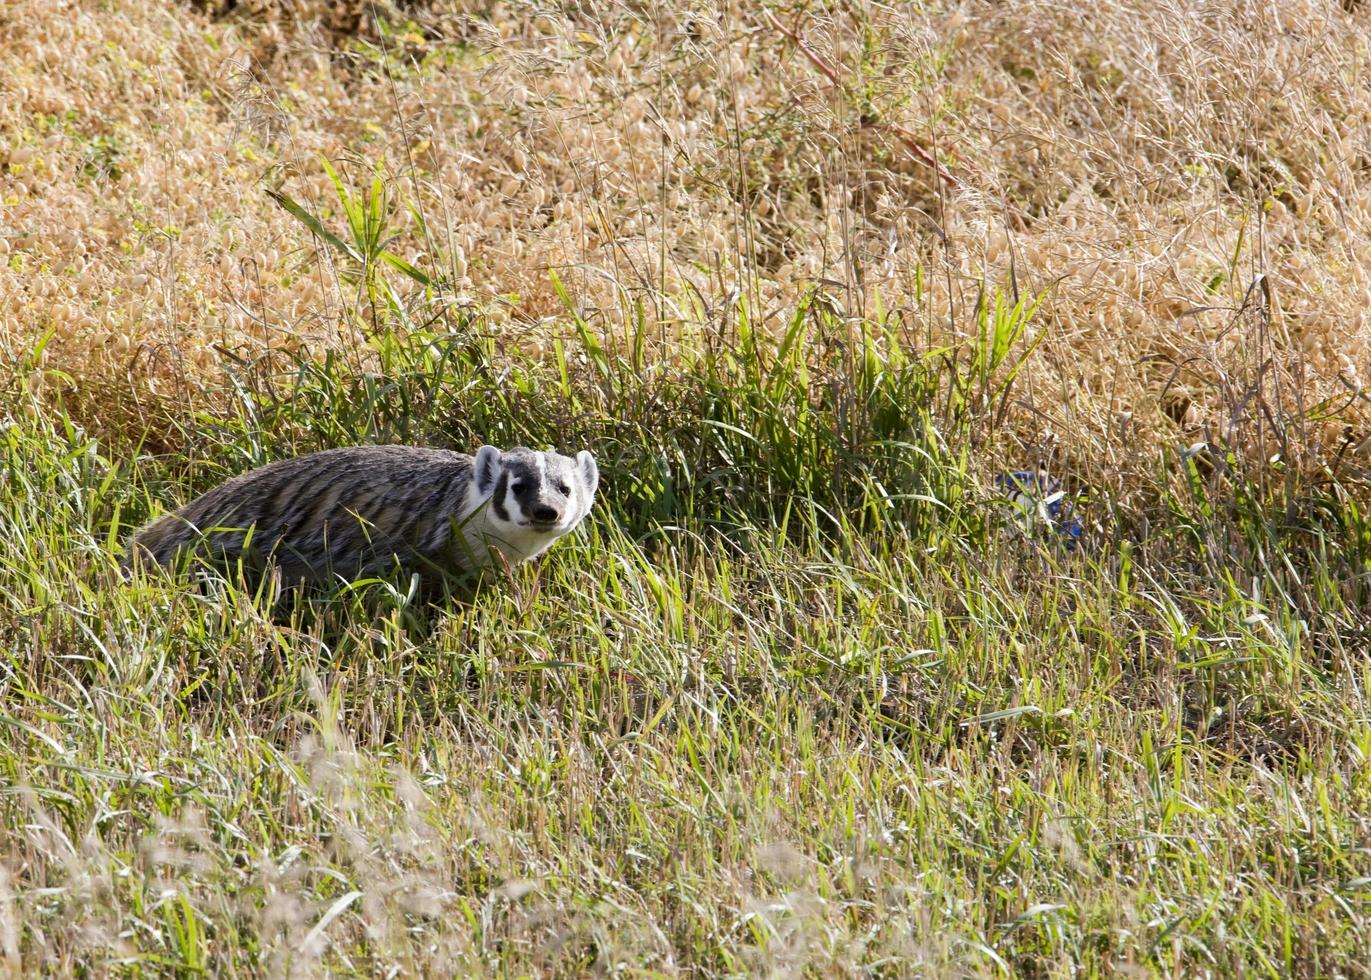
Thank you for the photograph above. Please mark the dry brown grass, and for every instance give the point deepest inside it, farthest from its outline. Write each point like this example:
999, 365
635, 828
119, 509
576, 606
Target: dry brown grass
1145, 162
802, 695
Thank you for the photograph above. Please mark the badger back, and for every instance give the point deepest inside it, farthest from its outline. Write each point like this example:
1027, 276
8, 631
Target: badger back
341, 512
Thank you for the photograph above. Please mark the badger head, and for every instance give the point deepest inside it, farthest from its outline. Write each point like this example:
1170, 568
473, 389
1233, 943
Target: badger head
532, 498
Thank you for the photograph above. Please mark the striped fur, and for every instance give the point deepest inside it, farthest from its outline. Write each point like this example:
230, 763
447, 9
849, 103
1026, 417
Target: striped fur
342, 514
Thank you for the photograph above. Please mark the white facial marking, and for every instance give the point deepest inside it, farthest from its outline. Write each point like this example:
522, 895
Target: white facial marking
572, 514
511, 503
513, 537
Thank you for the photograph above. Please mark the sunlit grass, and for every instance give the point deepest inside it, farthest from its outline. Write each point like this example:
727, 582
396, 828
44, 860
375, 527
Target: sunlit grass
752, 716
805, 694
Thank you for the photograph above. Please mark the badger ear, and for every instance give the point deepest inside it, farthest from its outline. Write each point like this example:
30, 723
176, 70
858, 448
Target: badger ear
487, 469
590, 473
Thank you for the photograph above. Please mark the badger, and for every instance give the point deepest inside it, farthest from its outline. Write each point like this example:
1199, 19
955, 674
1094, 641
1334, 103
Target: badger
344, 514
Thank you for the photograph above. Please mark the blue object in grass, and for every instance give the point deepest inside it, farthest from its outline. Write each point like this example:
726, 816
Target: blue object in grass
1037, 494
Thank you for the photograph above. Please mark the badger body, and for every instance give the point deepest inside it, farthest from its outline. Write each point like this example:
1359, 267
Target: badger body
347, 513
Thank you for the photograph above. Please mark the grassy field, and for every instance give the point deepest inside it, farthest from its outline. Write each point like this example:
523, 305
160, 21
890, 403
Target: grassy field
805, 695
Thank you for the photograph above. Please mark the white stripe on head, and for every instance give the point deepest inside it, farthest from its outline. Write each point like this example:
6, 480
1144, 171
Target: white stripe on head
511, 501
572, 507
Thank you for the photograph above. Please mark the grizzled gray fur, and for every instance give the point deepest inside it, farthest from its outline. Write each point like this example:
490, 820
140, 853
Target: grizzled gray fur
348, 513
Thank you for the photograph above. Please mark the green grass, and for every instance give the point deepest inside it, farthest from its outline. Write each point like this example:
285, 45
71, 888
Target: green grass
801, 695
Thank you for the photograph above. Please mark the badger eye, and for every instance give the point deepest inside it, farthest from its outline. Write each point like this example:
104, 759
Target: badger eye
517, 488
563, 489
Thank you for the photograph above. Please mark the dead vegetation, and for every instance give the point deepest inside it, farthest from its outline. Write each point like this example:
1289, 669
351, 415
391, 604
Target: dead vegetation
1187, 181
805, 693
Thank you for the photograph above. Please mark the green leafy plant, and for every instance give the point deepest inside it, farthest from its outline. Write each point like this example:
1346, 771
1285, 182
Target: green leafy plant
368, 216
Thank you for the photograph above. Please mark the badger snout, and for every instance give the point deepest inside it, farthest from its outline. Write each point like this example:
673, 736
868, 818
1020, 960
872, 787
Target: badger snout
544, 514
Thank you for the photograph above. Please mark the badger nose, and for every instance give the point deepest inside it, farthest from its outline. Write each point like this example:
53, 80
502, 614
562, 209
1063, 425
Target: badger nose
544, 514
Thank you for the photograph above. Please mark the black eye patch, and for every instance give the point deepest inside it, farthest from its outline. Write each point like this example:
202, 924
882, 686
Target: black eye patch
523, 478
